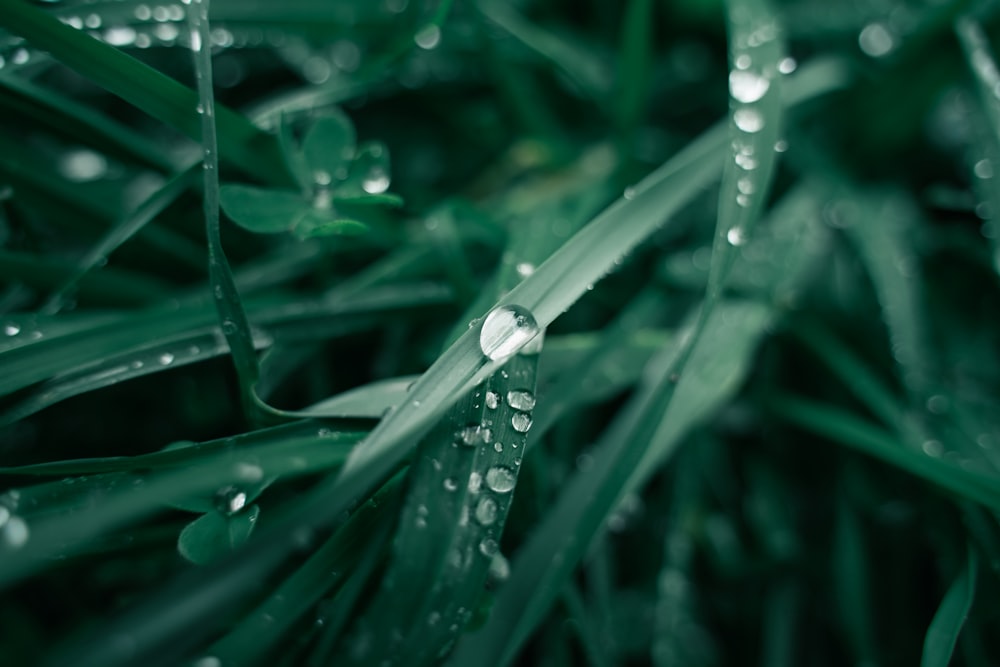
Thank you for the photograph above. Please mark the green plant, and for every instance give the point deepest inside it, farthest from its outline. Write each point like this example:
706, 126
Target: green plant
604, 366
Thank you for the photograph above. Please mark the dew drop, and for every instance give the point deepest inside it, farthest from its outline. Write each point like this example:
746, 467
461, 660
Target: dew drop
475, 434
429, 37
876, 40
983, 169
450, 484
166, 359
475, 482
230, 500
747, 87
743, 61
143, 12
524, 269
207, 661
745, 186
933, 448
92, 21
506, 330
376, 182
499, 567
14, 532
11, 329
196, 41
500, 479
248, 472
486, 511
492, 398
521, 400
521, 422
735, 236
498, 447
780, 146
119, 36
748, 120
83, 165
488, 547
229, 327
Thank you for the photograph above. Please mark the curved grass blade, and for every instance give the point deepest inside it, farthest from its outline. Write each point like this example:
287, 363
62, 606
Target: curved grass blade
942, 635
241, 143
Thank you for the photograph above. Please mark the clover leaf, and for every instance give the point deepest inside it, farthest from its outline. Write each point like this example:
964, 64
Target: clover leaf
338, 180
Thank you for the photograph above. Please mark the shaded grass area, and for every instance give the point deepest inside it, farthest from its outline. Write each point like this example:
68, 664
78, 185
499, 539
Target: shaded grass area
489, 333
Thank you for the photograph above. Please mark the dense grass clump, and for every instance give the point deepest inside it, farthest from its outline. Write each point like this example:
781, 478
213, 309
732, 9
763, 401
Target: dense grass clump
484, 332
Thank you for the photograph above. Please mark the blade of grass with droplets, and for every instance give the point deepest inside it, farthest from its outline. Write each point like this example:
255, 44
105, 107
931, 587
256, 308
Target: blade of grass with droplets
158, 95
362, 536
846, 429
641, 433
883, 229
984, 67
232, 314
942, 635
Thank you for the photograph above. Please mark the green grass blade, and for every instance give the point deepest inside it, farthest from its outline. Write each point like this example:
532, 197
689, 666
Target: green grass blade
942, 635
241, 143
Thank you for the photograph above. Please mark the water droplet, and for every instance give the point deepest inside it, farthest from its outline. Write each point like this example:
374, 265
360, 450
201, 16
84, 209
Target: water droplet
933, 448
450, 484
746, 160
983, 169
521, 422
143, 12
488, 547
525, 269
83, 165
521, 400
629, 193
11, 329
787, 65
486, 511
746, 186
937, 404
748, 120
498, 447
743, 61
780, 146
119, 36
735, 236
505, 331
92, 21
166, 359
492, 398
376, 182
500, 479
229, 327
499, 567
747, 87
230, 500
475, 482
742, 200
195, 41
433, 618
14, 532
428, 37
248, 472
876, 40
207, 661
475, 434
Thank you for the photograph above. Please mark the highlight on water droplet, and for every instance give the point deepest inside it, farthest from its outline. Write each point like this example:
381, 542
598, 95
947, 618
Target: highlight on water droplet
787, 65
736, 236
748, 120
492, 399
747, 87
166, 359
524, 269
230, 500
506, 330
11, 329
500, 479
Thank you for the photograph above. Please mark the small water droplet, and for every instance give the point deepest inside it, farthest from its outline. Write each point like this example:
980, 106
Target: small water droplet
787, 65
248, 472
433, 618
376, 182
450, 484
119, 36
207, 661
506, 330
983, 169
195, 41
746, 186
780, 146
488, 547
521, 400
229, 327
500, 479
735, 236
475, 482
748, 120
486, 511
230, 500
14, 532
492, 398
83, 165
475, 434
743, 61
524, 269
933, 448
747, 87
876, 40
629, 193
92, 21
428, 38
746, 160
166, 359
499, 567
11, 329
521, 422
498, 447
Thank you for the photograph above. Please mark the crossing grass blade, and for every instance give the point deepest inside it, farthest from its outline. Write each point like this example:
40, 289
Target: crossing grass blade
942, 635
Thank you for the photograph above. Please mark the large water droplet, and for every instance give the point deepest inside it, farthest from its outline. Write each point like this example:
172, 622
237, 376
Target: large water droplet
746, 86
375, 182
486, 511
735, 236
521, 422
521, 400
500, 479
506, 330
492, 398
